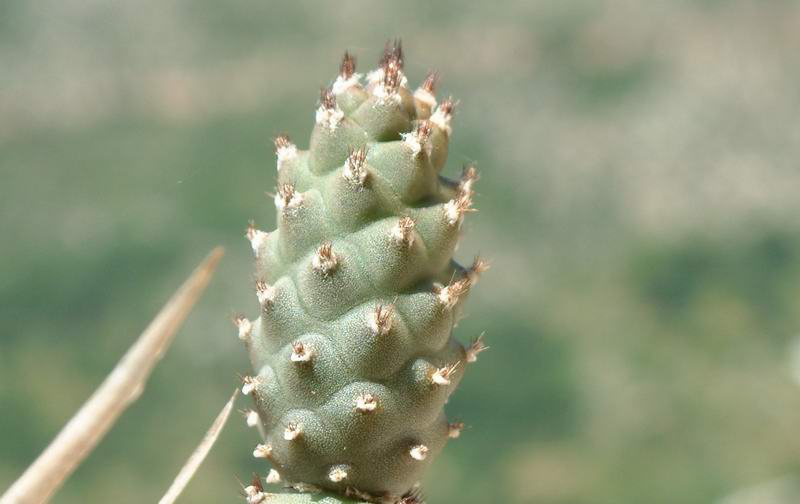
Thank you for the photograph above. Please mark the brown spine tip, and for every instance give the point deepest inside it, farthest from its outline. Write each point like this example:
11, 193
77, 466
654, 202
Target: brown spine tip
477, 346
354, 170
265, 293
479, 266
348, 66
381, 321
301, 352
282, 141
392, 54
392, 65
449, 295
292, 431
254, 492
423, 131
455, 209
442, 375
366, 403
429, 84
469, 175
403, 232
325, 260
287, 197
326, 99
448, 106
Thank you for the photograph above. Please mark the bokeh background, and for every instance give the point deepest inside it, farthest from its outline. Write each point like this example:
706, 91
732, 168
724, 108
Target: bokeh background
639, 200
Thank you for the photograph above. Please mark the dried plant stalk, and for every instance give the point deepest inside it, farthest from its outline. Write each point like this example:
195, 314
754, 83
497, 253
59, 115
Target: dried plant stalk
120, 389
199, 454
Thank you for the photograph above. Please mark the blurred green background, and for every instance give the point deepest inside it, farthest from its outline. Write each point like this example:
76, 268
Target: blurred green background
638, 200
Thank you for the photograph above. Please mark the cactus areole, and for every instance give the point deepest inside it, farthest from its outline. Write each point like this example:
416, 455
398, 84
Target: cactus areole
353, 351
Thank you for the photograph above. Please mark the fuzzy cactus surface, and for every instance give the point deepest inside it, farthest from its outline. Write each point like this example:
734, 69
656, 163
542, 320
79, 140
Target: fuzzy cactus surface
353, 350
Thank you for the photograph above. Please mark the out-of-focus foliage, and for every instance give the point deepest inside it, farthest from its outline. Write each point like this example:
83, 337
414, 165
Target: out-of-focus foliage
639, 200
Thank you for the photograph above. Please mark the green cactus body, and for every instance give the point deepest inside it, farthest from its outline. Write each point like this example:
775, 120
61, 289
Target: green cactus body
353, 348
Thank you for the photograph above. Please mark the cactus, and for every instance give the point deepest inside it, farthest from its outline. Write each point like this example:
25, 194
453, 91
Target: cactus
353, 351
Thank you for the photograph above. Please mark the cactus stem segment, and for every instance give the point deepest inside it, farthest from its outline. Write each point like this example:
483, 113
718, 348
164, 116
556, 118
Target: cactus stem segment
325, 261
351, 338
418, 452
